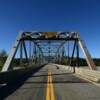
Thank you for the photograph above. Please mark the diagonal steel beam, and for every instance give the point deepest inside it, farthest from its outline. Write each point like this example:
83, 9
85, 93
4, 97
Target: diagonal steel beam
12, 54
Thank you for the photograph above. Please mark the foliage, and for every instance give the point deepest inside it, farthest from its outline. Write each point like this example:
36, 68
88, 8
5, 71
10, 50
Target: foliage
82, 61
3, 53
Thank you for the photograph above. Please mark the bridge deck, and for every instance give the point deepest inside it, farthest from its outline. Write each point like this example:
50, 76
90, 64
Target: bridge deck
53, 83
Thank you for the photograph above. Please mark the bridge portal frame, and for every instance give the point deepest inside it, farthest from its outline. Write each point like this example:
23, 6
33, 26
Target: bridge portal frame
29, 36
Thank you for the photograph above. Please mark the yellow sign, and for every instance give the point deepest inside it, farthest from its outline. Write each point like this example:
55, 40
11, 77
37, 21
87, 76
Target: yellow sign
50, 34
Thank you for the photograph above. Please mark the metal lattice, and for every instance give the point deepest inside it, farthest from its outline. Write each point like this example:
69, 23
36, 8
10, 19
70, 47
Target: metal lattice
46, 47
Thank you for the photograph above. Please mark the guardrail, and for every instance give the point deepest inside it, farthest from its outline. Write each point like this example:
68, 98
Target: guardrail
9, 76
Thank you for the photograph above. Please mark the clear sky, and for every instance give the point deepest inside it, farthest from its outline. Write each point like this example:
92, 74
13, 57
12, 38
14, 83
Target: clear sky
51, 15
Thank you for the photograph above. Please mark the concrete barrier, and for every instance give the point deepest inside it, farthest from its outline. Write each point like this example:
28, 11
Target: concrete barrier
9, 76
92, 75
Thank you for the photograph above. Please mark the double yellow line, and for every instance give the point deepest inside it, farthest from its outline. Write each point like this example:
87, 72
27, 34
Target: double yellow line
50, 89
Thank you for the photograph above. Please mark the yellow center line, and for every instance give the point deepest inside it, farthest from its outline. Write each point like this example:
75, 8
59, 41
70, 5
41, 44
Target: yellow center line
50, 89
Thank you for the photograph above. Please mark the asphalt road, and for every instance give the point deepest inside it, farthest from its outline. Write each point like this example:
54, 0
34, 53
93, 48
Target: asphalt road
51, 83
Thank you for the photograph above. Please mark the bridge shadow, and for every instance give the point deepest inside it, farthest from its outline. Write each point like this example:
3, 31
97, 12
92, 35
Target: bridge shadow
61, 78
9, 88
51, 74
58, 78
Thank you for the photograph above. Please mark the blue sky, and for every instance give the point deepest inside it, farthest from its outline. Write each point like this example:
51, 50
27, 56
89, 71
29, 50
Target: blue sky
50, 15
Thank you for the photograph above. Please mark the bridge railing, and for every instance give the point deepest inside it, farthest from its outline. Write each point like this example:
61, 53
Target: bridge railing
92, 75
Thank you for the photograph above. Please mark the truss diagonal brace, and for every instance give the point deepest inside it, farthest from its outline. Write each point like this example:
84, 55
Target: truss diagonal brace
12, 54
25, 50
87, 54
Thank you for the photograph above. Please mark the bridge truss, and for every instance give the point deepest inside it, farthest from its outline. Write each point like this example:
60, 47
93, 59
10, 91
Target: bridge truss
48, 47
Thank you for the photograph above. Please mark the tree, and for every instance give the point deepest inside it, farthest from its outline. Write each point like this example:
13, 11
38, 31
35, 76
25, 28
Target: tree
3, 53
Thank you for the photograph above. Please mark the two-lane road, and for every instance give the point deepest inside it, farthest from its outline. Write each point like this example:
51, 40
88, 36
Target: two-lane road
51, 83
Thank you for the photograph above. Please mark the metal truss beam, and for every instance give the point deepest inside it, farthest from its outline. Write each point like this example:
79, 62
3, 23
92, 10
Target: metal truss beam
25, 50
86, 54
61, 39
12, 54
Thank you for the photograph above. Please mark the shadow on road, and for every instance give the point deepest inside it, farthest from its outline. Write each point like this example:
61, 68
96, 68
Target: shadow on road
62, 78
58, 78
9, 88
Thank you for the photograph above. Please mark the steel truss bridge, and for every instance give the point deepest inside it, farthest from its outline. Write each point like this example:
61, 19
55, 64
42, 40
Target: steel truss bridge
43, 55
48, 49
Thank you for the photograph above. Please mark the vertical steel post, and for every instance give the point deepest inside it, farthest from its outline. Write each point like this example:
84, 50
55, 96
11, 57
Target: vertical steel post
77, 53
35, 53
68, 54
39, 57
73, 57
62, 61
21, 52
30, 53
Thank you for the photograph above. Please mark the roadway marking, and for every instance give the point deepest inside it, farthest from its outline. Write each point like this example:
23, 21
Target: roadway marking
50, 89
